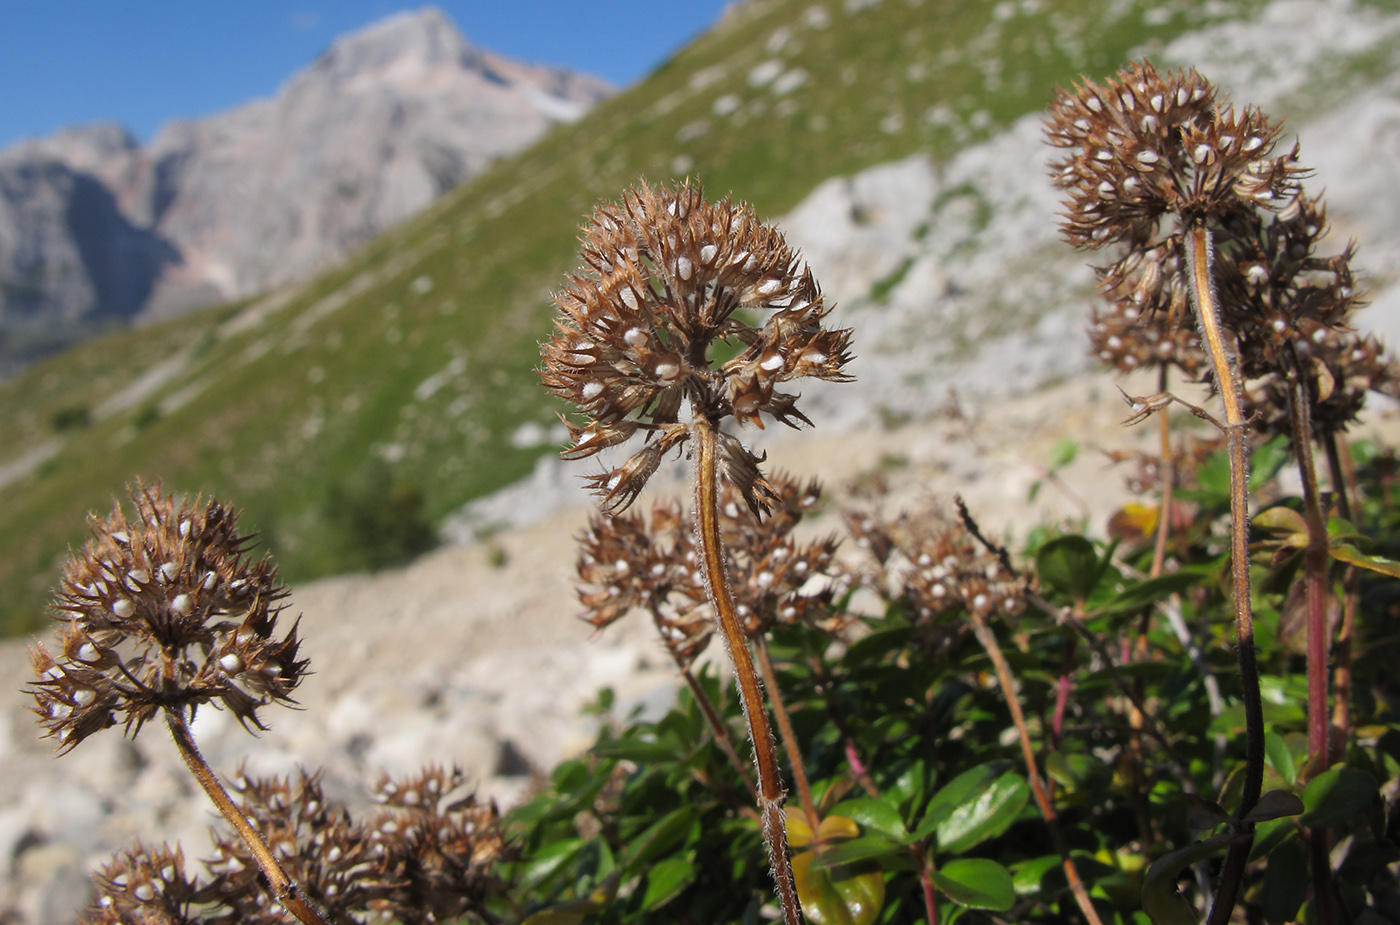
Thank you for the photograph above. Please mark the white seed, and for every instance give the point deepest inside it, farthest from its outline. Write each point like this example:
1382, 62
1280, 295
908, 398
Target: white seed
185, 526
59, 710
1114, 342
980, 602
769, 286
122, 537
621, 567
1104, 155
684, 268
668, 370
183, 605
629, 298
938, 591
771, 362
1158, 103
1106, 189
231, 663
1182, 98
707, 254
764, 579
592, 390
1094, 104
123, 607
813, 356
1202, 153
87, 652
635, 336
1253, 143
169, 570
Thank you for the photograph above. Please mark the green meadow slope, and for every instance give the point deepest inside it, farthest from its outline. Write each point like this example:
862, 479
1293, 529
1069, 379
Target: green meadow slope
349, 414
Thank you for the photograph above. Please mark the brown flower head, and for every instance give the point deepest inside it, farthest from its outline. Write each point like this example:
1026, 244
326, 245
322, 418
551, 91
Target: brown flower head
147, 886
626, 563
1143, 144
668, 278
315, 841
163, 610
439, 847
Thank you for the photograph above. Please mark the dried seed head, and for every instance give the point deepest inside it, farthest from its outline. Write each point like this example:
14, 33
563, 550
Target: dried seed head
667, 276
164, 609
627, 563
142, 884
1145, 145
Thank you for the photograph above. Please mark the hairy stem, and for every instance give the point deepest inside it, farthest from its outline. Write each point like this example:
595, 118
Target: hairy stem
988, 639
770, 786
1343, 479
1203, 299
794, 753
1316, 564
718, 729
283, 887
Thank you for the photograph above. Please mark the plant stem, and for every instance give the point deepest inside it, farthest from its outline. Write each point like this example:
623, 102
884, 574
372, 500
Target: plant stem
1316, 564
1343, 479
1203, 299
770, 787
780, 713
283, 887
988, 640
717, 728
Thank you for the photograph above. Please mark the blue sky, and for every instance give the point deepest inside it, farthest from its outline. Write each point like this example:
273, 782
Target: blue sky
144, 62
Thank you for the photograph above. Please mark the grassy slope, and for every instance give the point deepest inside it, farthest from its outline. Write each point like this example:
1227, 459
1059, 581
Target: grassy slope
420, 349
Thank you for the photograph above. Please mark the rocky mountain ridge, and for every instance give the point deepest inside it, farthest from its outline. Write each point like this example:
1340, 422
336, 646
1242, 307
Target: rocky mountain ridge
97, 229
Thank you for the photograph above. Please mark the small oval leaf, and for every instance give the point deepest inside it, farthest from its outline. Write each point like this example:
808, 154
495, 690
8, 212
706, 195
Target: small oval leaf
978, 883
1336, 795
1275, 805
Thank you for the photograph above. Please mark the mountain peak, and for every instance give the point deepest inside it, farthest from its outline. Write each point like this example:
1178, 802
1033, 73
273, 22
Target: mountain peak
425, 37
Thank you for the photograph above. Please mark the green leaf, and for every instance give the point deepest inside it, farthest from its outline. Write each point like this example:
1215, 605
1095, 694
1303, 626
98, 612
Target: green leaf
961, 789
1336, 795
1142, 593
873, 814
666, 880
1350, 554
1063, 453
1280, 759
1275, 804
985, 815
839, 895
659, 838
978, 883
550, 860
1069, 565
640, 751
855, 850
1286, 881
1161, 900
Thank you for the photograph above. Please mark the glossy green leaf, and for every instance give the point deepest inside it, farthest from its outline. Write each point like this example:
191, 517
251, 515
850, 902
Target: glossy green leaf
838, 895
552, 857
1350, 554
978, 883
961, 789
872, 814
1161, 900
666, 880
1069, 565
659, 838
1336, 795
986, 815
855, 850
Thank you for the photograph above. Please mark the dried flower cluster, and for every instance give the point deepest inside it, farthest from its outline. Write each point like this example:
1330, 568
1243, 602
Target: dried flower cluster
428, 856
668, 277
164, 610
936, 570
1144, 145
626, 563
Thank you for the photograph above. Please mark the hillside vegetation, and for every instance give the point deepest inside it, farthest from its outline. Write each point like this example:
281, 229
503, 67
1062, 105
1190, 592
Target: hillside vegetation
349, 414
